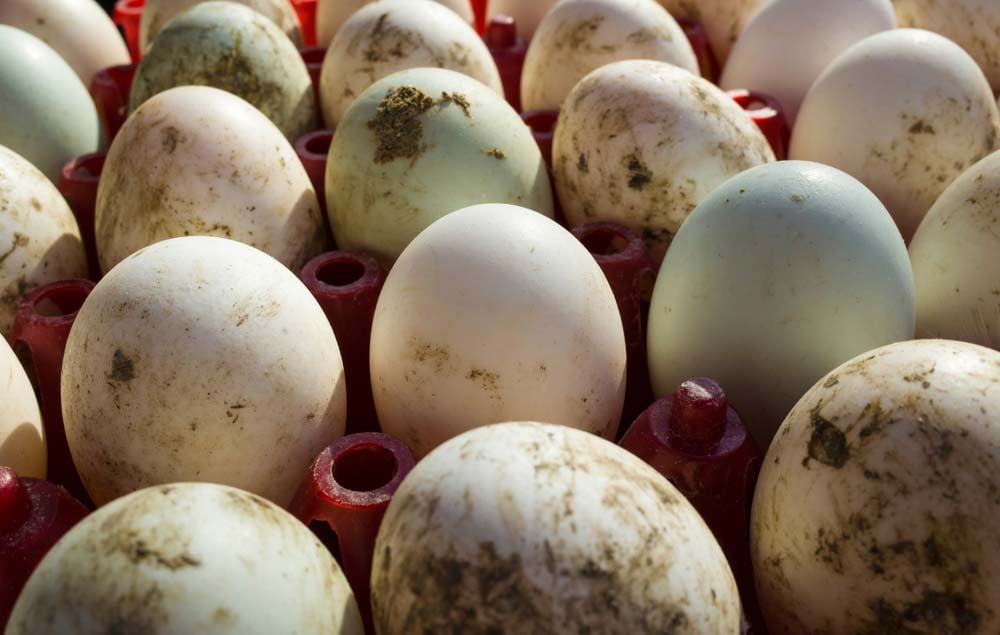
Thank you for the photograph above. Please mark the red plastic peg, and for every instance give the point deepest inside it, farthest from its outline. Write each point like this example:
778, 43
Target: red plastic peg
127, 15
306, 12
708, 63
508, 50
769, 116
78, 184
110, 90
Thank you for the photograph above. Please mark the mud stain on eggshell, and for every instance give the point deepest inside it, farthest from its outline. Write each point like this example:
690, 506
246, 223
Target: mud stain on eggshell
827, 444
122, 367
399, 132
459, 100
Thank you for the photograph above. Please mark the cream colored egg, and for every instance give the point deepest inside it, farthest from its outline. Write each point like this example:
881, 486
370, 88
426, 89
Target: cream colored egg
200, 358
517, 321
394, 35
331, 15
78, 30
419, 144
578, 36
22, 437
156, 14
187, 558
534, 528
197, 160
39, 239
46, 113
903, 111
642, 143
229, 46
528, 14
788, 43
877, 505
723, 19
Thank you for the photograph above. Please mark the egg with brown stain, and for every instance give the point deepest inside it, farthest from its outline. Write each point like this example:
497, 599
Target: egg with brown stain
156, 14
331, 15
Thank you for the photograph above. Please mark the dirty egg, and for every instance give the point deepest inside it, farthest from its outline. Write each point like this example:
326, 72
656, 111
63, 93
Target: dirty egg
393, 35
332, 14
22, 438
723, 20
200, 358
782, 273
527, 14
229, 46
536, 528
641, 143
578, 37
788, 43
39, 238
903, 111
877, 505
187, 558
47, 115
156, 14
422, 143
196, 160
517, 322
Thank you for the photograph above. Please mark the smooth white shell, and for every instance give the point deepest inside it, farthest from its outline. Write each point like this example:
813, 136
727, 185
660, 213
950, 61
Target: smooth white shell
532, 528
527, 14
331, 15
723, 19
46, 113
788, 43
642, 142
393, 35
200, 358
157, 13
517, 321
419, 144
782, 273
229, 46
187, 558
78, 30
39, 239
903, 111
878, 502
196, 160
22, 437
579, 36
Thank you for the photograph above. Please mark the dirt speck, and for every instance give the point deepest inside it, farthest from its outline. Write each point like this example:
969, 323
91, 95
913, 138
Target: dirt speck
122, 368
496, 153
638, 173
922, 127
827, 444
397, 126
459, 100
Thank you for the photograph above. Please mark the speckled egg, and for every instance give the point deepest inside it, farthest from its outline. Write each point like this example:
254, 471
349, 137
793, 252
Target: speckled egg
723, 19
903, 111
642, 142
527, 14
39, 239
534, 528
788, 43
187, 558
577, 37
156, 14
781, 274
232, 47
200, 358
78, 30
393, 35
46, 113
517, 321
196, 160
331, 15
22, 437
419, 144
877, 505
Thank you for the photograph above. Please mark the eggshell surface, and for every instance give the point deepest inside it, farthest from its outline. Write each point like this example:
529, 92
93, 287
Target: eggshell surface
903, 111
641, 143
781, 274
200, 358
517, 322
22, 437
331, 15
723, 20
534, 528
527, 14
187, 558
156, 14
876, 507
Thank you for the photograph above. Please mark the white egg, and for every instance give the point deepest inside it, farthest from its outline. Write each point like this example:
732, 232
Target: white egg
579, 36
419, 144
788, 43
22, 437
903, 111
229, 46
782, 273
46, 113
641, 143
517, 321
187, 558
156, 14
533, 528
528, 14
331, 15
877, 505
39, 239
972, 24
196, 160
723, 19
200, 358
393, 35
78, 30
